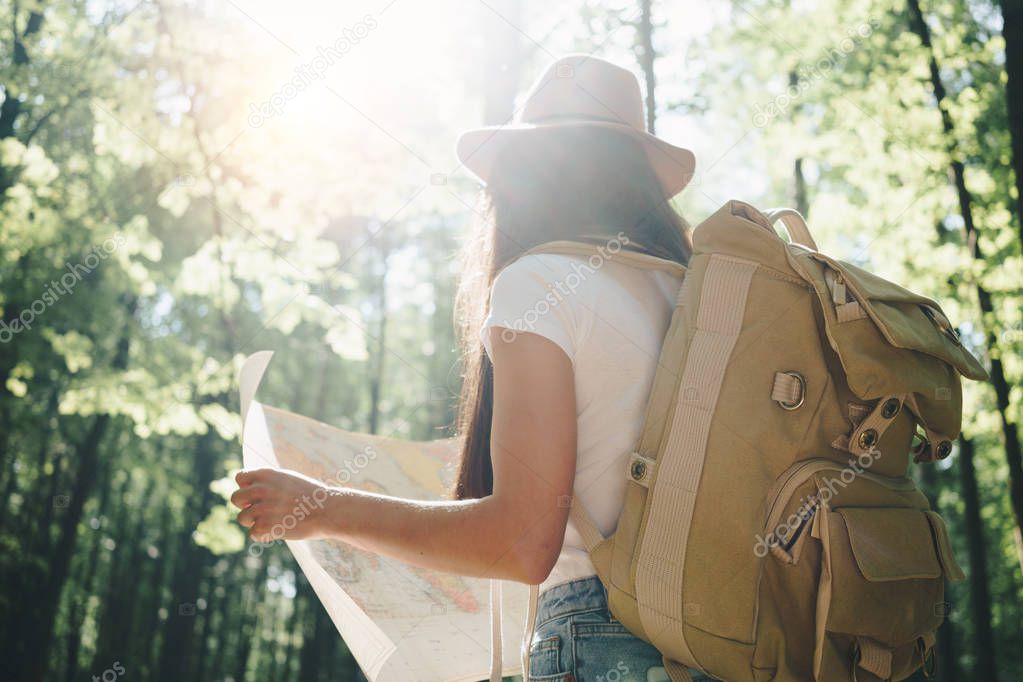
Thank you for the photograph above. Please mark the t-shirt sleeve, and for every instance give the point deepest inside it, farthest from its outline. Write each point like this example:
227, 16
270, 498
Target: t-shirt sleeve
531, 295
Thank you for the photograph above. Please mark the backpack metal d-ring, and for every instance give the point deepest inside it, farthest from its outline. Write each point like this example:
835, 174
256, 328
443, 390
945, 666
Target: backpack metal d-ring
789, 390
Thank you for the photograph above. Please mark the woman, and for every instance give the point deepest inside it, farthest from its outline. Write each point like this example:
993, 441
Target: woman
560, 352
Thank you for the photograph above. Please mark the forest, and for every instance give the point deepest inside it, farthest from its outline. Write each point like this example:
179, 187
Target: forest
186, 182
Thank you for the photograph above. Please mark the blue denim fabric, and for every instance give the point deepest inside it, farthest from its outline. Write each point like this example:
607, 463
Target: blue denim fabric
576, 639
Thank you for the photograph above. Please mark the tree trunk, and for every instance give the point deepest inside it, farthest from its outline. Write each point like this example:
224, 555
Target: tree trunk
647, 56
155, 599
317, 644
379, 353
802, 203
249, 628
73, 636
307, 658
40, 640
112, 625
219, 618
947, 667
294, 636
442, 413
11, 107
1013, 452
799, 180
205, 632
1012, 33
8, 360
189, 567
984, 666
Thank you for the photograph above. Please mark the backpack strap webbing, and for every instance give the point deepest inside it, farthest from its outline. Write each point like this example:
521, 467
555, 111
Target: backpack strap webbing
496, 634
527, 635
677, 672
583, 522
621, 254
679, 446
497, 631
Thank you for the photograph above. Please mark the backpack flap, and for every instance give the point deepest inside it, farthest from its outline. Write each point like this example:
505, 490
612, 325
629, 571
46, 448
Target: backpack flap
892, 342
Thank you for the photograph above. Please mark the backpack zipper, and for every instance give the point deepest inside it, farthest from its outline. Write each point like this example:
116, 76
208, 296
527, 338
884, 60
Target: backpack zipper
782, 491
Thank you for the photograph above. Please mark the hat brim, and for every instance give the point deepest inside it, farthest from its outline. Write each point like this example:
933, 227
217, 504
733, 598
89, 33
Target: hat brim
478, 149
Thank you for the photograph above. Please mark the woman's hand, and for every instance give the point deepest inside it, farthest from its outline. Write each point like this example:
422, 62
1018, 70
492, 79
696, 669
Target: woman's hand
278, 504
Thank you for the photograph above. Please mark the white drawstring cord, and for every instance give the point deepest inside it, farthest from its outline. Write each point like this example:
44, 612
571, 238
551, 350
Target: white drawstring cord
496, 635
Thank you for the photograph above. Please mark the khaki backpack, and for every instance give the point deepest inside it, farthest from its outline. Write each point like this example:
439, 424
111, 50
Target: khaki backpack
770, 530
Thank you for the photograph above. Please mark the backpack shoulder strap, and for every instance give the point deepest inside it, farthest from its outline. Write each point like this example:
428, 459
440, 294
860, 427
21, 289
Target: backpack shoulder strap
627, 256
584, 524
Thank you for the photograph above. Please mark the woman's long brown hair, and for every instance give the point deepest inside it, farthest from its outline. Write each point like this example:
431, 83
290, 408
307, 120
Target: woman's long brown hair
561, 185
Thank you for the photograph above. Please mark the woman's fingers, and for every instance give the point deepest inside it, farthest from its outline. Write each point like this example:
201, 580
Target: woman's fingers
276, 503
247, 477
245, 496
254, 519
247, 516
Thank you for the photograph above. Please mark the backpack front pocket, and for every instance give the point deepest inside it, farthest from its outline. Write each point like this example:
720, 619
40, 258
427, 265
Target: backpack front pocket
881, 591
855, 571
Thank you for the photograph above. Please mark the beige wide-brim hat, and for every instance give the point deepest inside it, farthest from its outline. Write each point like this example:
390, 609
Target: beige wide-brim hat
580, 90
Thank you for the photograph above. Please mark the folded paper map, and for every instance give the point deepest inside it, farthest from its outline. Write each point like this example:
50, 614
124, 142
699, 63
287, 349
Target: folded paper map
402, 623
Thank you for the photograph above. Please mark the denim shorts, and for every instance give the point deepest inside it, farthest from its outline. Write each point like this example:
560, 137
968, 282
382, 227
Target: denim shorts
576, 639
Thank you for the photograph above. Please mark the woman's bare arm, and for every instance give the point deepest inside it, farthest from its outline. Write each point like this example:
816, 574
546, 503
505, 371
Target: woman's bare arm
515, 534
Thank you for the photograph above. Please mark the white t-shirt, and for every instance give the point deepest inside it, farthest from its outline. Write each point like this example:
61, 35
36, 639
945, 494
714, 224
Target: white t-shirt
610, 320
